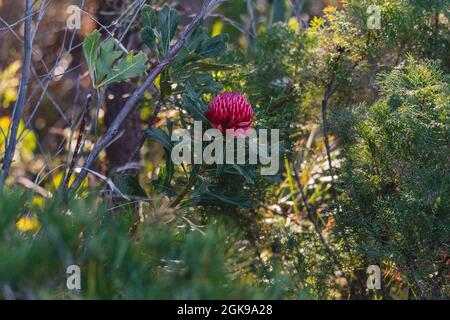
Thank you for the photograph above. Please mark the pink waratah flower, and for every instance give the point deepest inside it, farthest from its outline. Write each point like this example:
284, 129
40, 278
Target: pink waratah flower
231, 110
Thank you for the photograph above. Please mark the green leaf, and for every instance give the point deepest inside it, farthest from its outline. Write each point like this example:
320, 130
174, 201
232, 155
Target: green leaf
129, 185
221, 199
170, 170
90, 46
194, 171
106, 59
162, 184
168, 22
191, 65
101, 61
151, 38
148, 17
245, 172
159, 28
149, 33
219, 169
214, 47
193, 104
275, 179
205, 194
129, 67
160, 136
197, 37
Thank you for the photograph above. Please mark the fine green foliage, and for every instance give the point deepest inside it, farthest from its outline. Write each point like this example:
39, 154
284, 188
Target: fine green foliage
395, 179
157, 259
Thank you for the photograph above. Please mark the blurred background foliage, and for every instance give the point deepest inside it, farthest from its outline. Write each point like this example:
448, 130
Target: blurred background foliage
308, 233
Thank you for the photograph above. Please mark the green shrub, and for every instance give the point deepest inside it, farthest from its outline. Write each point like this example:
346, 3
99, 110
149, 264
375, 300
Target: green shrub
395, 180
164, 257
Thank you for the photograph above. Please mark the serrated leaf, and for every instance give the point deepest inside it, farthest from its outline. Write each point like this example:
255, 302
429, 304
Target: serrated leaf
205, 84
168, 19
160, 136
206, 66
101, 61
190, 67
192, 103
129, 67
197, 37
214, 47
149, 33
151, 38
106, 59
159, 28
90, 46
148, 17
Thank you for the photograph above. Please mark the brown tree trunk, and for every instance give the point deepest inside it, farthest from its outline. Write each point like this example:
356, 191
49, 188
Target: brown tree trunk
119, 152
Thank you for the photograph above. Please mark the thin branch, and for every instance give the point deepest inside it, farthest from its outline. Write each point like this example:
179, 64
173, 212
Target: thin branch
79, 140
20, 104
330, 90
297, 7
313, 219
325, 99
113, 130
233, 23
141, 3
251, 16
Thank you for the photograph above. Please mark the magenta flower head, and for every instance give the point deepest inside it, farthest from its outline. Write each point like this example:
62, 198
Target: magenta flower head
230, 110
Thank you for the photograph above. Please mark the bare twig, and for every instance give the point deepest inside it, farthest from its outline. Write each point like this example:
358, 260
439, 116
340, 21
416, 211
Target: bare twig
113, 130
108, 181
313, 219
251, 16
233, 23
297, 7
79, 140
325, 99
20, 104
330, 90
